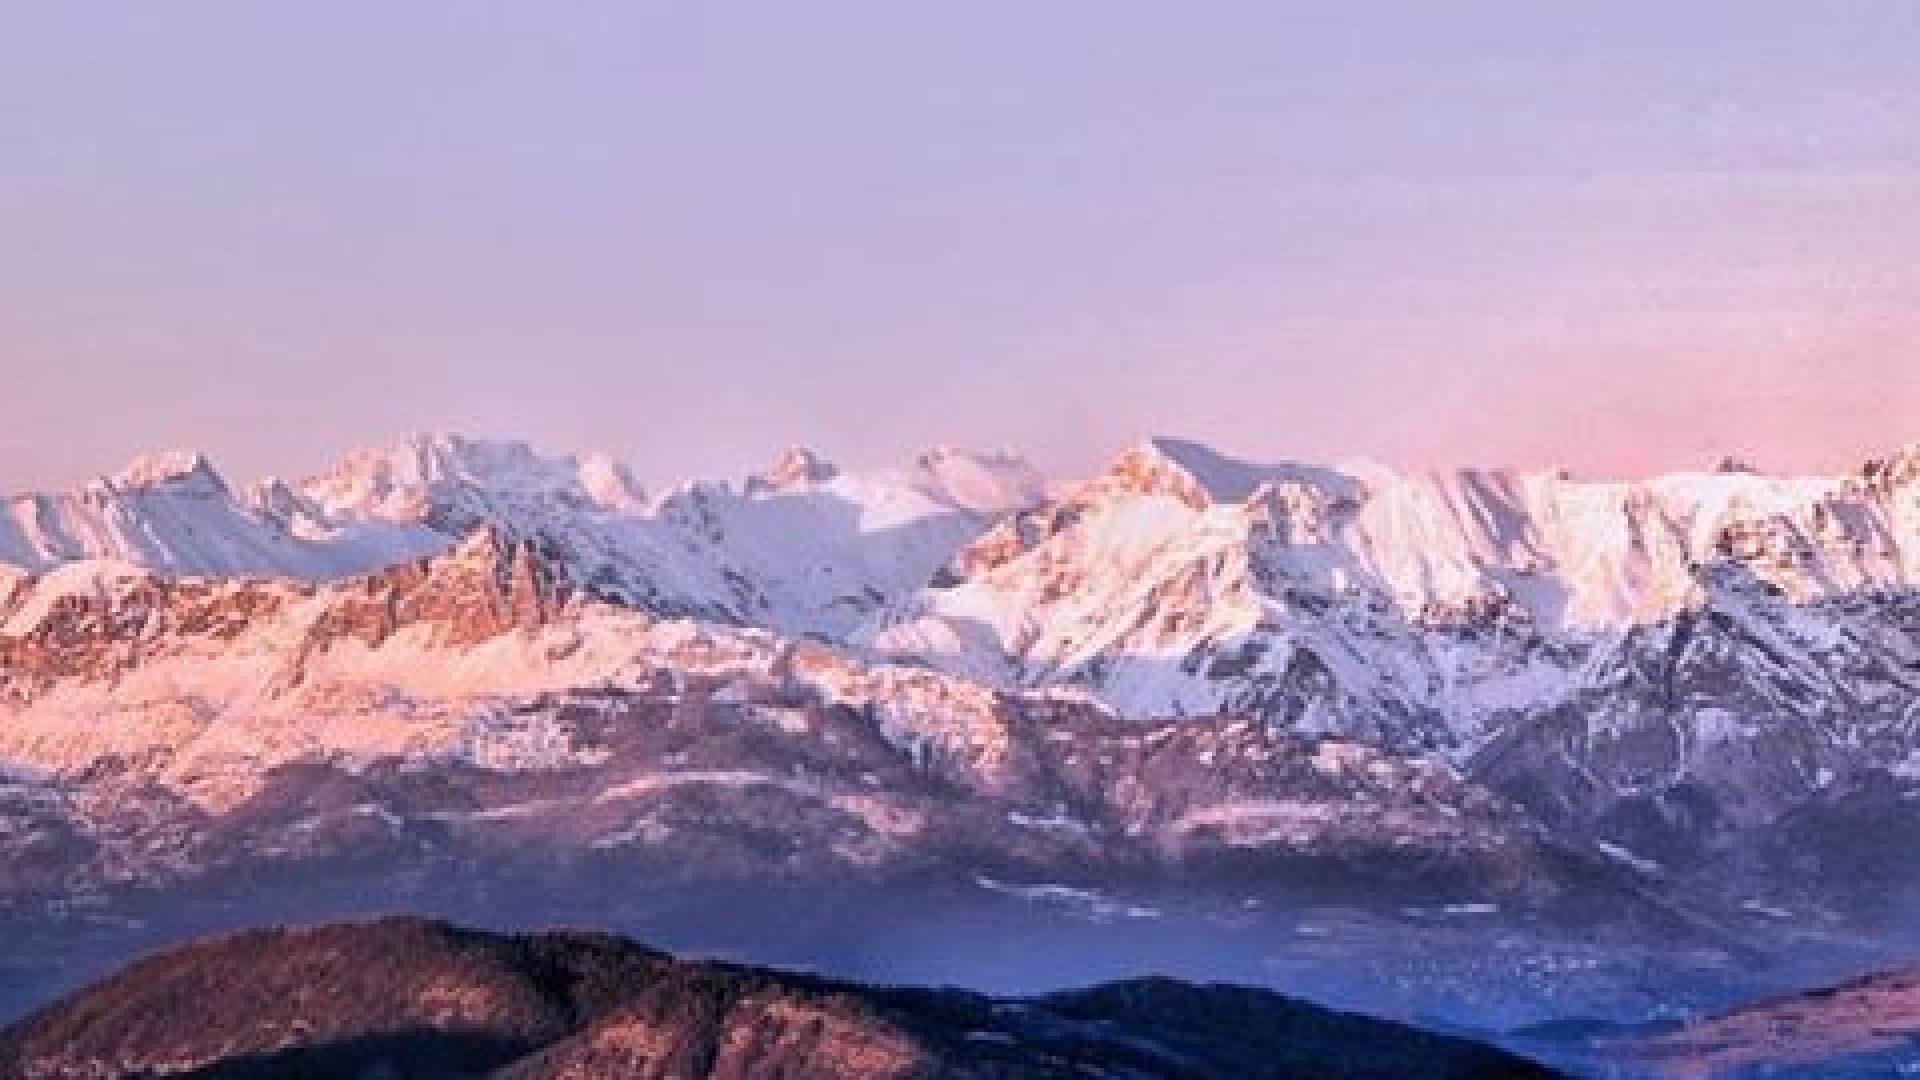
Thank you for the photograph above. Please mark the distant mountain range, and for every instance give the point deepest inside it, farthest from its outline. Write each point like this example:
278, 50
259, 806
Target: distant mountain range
1690, 705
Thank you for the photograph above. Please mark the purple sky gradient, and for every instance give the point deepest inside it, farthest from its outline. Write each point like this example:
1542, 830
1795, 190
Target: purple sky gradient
1620, 237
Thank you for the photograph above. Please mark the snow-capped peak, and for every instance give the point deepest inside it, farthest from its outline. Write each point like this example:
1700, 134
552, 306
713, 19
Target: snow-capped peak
181, 472
987, 481
1147, 469
407, 480
609, 482
1201, 476
796, 469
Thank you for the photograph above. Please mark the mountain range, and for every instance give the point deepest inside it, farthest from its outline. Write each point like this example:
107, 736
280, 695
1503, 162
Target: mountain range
1687, 706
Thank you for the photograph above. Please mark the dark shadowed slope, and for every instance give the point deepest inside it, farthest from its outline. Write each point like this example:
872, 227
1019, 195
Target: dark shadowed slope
409, 997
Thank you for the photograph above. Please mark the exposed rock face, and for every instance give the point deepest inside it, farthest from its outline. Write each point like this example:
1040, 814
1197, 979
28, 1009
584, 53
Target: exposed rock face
421, 999
1722, 721
488, 586
94, 623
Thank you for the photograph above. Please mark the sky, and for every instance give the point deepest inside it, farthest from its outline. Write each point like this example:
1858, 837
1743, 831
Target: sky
1619, 238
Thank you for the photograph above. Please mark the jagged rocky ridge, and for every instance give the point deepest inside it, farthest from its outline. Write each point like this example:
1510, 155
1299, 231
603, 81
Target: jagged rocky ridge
1540, 686
423, 999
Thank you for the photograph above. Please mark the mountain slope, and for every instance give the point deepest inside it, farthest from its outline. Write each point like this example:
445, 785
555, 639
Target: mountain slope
1867, 1027
481, 698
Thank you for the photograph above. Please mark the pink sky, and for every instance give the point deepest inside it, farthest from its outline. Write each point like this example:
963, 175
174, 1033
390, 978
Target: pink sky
1493, 235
